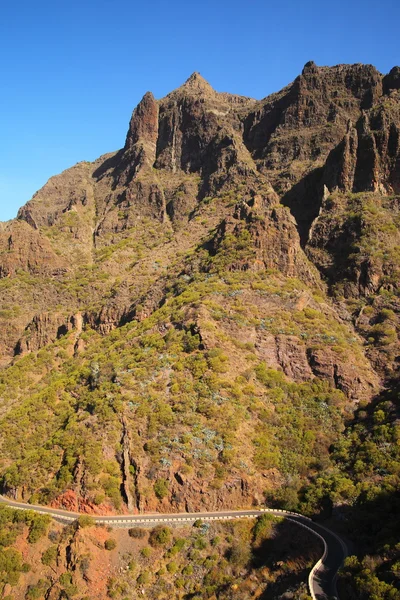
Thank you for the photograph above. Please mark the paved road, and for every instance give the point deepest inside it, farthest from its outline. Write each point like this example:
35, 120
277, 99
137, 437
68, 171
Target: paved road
322, 578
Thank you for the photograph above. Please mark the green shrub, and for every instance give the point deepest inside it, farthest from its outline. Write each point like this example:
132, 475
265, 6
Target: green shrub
137, 532
188, 570
172, 567
160, 536
161, 488
383, 334
263, 528
200, 543
86, 521
110, 544
179, 544
38, 591
198, 523
144, 578
49, 556
38, 528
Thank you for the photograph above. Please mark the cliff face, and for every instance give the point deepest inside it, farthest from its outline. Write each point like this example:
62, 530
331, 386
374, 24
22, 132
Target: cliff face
231, 249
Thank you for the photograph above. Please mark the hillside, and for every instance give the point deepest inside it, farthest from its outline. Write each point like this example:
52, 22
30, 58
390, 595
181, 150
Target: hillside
190, 322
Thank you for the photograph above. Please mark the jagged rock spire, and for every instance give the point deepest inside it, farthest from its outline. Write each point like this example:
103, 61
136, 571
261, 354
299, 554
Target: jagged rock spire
144, 121
391, 81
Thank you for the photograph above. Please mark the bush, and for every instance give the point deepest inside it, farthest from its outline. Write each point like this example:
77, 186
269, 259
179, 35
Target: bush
49, 556
239, 554
38, 591
144, 578
38, 528
137, 532
179, 544
263, 527
198, 523
86, 521
383, 334
188, 570
110, 544
160, 536
99, 499
161, 488
65, 579
200, 543
172, 567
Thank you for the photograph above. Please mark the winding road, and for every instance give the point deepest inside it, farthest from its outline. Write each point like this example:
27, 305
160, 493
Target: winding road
321, 580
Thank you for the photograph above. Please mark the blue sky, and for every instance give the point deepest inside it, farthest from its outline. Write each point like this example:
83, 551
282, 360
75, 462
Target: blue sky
72, 71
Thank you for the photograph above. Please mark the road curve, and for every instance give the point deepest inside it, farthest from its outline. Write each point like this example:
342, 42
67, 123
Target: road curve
322, 578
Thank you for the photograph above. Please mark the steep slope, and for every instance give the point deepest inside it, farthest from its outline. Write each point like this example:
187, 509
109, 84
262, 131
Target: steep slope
190, 321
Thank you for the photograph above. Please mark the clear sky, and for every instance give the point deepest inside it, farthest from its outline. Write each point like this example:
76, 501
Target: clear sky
73, 70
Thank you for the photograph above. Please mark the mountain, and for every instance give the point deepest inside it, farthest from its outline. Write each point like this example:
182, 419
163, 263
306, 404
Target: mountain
190, 322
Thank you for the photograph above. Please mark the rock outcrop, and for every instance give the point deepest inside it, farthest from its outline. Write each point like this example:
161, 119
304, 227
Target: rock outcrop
23, 248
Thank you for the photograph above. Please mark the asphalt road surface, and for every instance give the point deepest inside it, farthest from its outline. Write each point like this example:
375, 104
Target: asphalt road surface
322, 578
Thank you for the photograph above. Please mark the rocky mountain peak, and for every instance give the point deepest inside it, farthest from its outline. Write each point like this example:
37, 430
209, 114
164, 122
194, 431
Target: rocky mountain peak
391, 81
309, 67
196, 83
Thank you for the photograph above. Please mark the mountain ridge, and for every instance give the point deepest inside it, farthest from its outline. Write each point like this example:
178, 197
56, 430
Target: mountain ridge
149, 143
